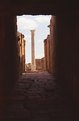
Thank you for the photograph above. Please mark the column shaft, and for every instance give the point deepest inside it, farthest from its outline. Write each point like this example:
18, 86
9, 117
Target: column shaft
33, 50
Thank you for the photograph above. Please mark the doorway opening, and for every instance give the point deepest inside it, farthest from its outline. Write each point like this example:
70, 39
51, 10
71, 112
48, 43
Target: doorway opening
35, 42
37, 97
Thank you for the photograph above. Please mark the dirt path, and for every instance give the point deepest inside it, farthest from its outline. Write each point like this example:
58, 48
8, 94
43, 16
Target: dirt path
38, 98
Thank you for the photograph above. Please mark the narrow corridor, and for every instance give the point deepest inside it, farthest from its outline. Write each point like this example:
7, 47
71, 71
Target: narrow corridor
37, 97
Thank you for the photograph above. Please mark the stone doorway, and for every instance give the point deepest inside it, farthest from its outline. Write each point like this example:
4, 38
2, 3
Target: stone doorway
40, 39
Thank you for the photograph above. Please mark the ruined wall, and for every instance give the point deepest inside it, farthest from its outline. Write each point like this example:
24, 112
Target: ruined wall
43, 63
50, 47
48, 53
45, 53
40, 64
21, 52
53, 45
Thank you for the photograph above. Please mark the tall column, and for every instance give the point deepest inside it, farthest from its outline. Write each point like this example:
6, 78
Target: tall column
33, 67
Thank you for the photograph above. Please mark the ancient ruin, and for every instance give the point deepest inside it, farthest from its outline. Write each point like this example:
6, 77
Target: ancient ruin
65, 52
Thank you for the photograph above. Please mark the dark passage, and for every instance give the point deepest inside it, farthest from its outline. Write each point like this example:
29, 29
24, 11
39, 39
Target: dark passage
37, 97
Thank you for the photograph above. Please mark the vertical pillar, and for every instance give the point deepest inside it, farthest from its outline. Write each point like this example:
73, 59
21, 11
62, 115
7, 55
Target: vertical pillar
33, 67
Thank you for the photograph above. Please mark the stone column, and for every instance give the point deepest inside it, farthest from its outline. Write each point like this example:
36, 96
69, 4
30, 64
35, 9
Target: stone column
33, 67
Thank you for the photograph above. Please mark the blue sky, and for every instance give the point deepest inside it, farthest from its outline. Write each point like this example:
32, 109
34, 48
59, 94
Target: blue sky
40, 24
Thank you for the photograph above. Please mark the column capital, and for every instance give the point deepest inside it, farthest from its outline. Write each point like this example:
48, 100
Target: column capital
33, 30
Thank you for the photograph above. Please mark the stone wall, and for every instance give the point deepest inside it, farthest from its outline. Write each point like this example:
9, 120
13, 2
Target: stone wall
50, 49
8, 59
53, 45
40, 64
21, 52
45, 53
67, 58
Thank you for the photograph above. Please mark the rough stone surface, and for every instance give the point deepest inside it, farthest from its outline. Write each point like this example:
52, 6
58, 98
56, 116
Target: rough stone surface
37, 97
